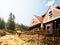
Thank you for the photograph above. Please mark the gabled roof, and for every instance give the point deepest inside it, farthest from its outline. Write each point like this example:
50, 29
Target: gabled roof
55, 11
44, 15
36, 20
39, 18
58, 7
44, 18
55, 7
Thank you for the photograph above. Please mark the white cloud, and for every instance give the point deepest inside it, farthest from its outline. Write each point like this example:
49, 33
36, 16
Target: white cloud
50, 3
59, 0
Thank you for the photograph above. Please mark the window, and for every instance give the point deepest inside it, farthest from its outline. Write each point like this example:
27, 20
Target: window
34, 21
50, 13
48, 27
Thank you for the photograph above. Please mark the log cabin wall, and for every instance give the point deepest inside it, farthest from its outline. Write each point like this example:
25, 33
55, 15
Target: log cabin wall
49, 28
56, 26
51, 21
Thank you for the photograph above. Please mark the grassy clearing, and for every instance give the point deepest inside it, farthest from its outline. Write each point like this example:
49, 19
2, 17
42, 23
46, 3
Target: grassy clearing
32, 39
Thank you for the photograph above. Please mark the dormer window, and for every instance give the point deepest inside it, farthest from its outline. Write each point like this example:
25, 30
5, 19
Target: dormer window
50, 13
34, 21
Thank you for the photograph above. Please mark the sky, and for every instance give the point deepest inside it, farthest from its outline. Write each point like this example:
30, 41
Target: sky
23, 9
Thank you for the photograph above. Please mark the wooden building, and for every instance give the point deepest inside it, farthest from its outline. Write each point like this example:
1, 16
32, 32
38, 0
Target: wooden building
49, 23
36, 24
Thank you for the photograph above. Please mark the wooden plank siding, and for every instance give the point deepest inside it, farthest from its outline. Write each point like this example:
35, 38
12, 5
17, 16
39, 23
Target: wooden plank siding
49, 23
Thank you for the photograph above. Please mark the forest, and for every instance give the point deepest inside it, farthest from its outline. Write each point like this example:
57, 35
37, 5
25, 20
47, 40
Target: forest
11, 26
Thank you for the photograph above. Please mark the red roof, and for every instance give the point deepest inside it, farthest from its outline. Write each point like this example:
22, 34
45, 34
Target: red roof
39, 18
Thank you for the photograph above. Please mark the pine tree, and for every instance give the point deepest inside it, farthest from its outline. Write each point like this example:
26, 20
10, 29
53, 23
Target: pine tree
11, 23
2, 23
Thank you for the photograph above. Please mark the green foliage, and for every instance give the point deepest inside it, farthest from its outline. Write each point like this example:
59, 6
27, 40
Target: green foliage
2, 23
11, 23
23, 27
11, 26
17, 27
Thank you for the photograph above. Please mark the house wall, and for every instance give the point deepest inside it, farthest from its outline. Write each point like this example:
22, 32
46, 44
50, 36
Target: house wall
45, 18
56, 13
34, 21
49, 28
58, 26
50, 21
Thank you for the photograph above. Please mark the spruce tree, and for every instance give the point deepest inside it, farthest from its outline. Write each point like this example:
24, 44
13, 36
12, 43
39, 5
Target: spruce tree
11, 23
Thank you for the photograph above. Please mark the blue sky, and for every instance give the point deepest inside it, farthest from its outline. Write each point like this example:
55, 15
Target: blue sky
22, 9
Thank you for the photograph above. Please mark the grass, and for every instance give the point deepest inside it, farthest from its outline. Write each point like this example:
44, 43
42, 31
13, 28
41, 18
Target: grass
32, 39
